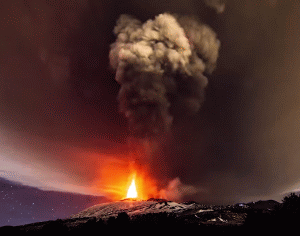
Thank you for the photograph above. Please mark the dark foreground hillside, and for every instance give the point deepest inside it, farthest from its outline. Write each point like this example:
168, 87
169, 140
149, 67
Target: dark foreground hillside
156, 224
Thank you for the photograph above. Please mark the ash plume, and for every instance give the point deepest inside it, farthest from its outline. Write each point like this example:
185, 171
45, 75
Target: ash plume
160, 65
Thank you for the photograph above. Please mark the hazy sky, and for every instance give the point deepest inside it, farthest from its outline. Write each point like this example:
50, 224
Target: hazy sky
59, 122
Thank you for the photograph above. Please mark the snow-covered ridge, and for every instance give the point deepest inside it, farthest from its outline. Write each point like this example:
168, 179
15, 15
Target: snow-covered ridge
131, 207
190, 211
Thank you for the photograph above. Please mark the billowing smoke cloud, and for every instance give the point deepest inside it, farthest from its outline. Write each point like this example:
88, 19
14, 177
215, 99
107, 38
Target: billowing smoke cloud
160, 66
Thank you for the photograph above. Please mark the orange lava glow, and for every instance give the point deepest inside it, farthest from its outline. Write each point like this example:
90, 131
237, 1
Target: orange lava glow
132, 193
115, 173
115, 177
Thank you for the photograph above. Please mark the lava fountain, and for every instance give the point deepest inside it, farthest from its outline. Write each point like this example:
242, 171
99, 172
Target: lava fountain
132, 193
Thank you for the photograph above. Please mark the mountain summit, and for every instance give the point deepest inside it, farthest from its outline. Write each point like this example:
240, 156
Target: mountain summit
133, 207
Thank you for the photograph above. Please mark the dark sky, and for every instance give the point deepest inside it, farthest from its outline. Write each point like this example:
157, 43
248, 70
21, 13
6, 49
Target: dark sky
23, 205
60, 128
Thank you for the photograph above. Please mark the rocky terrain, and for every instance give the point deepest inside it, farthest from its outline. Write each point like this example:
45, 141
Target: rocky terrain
155, 212
191, 211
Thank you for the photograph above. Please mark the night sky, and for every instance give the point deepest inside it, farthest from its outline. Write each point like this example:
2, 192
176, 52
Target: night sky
23, 204
61, 134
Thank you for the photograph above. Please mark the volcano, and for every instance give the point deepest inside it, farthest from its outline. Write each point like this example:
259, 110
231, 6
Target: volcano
151, 214
134, 207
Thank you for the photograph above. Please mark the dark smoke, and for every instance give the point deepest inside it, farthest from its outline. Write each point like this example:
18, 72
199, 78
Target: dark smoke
160, 66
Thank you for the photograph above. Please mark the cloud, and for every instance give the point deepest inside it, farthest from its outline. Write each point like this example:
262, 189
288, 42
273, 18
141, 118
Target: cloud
39, 176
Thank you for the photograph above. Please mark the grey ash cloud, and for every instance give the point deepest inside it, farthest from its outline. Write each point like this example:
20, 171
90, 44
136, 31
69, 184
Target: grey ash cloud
160, 66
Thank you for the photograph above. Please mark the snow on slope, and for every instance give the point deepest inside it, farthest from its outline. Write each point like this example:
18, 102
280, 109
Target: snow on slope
131, 207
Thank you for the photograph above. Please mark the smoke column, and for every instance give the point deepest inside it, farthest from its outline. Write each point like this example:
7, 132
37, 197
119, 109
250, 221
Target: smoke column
160, 66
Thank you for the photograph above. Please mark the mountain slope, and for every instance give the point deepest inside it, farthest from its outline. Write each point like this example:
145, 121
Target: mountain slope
154, 213
132, 207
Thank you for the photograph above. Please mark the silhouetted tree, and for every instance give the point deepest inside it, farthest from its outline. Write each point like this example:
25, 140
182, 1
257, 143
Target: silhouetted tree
291, 204
288, 213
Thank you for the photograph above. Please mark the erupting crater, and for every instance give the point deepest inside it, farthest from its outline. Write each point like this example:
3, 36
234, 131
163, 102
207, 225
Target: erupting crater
132, 193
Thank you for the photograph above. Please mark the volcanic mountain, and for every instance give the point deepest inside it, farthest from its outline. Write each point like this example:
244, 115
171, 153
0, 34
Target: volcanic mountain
134, 207
151, 214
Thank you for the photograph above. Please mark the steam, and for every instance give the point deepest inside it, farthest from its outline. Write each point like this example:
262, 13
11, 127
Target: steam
176, 190
160, 66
